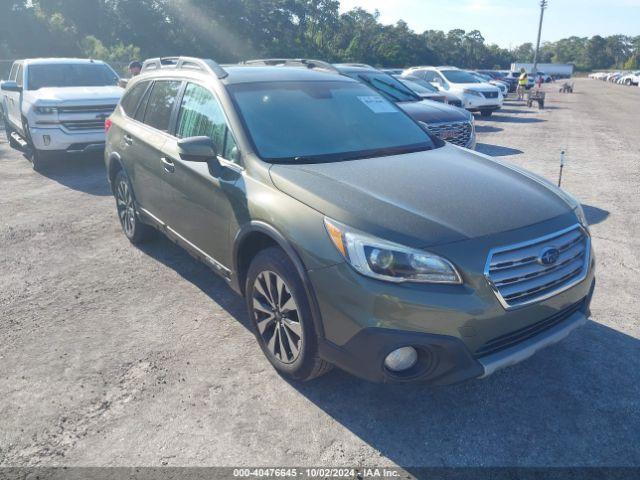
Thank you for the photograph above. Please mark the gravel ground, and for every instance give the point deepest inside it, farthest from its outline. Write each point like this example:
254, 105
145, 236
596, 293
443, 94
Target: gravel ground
114, 355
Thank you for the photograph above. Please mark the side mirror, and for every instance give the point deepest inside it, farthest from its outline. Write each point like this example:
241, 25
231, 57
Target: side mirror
10, 86
197, 149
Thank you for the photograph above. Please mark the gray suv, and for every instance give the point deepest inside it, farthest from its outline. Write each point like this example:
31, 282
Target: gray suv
357, 238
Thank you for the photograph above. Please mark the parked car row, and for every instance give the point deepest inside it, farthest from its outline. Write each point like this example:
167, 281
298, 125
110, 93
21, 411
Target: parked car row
59, 105
629, 78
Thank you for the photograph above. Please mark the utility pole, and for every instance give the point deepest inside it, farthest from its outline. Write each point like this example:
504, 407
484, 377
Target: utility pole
543, 5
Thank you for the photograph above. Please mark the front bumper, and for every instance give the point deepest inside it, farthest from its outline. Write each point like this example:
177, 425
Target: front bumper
56, 139
451, 326
474, 103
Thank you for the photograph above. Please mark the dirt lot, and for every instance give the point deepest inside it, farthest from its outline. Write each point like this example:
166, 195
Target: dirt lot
114, 355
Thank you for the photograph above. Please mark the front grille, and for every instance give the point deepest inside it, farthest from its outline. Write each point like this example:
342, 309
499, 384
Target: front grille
507, 340
455, 103
519, 275
108, 109
458, 133
75, 125
490, 94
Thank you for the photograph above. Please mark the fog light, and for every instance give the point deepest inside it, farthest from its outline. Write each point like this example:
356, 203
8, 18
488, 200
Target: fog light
46, 139
401, 359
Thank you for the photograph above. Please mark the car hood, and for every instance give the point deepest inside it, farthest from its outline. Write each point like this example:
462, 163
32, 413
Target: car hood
73, 95
423, 199
428, 111
477, 87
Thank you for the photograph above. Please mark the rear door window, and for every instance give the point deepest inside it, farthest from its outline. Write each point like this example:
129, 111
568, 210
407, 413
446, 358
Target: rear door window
132, 98
160, 104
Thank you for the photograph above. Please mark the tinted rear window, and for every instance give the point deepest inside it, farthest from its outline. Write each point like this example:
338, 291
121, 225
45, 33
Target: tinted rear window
132, 98
160, 104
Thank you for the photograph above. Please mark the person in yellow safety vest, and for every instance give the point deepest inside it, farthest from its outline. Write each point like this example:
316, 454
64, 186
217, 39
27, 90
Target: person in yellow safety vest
522, 83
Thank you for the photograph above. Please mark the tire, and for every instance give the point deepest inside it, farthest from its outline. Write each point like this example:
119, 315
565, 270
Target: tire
281, 316
135, 230
486, 113
38, 159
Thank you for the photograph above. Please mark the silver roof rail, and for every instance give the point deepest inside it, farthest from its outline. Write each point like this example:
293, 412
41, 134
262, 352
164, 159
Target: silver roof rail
205, 65
357, 65
292, 62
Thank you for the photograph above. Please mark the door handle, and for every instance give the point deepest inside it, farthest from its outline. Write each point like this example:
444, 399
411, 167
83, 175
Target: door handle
128, 140
168, 165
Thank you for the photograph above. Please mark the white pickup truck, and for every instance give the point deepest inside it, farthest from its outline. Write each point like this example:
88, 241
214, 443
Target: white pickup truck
54, 105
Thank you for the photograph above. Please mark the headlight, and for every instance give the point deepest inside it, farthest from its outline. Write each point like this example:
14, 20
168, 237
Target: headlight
472, 92
582, 218
46, 110
389, 261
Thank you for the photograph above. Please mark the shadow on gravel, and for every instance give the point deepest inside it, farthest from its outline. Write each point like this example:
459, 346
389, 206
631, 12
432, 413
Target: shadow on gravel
197, 273
505, 119
488, 129
496, 150
517, 111
595, 215
575, 403
84, 173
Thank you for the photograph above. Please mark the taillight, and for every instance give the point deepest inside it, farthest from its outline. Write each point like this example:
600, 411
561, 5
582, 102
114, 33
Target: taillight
107, 124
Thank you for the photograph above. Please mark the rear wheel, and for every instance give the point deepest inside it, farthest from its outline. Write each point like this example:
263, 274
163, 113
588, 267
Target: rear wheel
279, 309
132, 226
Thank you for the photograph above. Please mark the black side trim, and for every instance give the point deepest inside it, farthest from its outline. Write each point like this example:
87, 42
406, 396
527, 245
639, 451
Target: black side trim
442, 359
289, 249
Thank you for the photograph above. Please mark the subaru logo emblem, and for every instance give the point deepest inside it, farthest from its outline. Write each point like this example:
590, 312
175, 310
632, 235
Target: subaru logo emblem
548, 256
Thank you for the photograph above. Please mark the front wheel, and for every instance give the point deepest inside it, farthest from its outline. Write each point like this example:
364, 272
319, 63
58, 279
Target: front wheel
38, 159
132, 226
281, 316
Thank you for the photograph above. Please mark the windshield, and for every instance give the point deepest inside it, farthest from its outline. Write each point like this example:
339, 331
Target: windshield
389, 86
482, 76
418, 85
459, 76
70, 75
324, 121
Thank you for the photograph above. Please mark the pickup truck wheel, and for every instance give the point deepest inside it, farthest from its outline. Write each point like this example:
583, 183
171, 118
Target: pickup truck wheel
37, 159
35, 156
135, 230
280, 314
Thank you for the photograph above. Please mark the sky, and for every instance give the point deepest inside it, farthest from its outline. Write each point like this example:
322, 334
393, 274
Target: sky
510, 23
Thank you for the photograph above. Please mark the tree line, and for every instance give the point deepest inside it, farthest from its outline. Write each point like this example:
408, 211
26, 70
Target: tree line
232, 30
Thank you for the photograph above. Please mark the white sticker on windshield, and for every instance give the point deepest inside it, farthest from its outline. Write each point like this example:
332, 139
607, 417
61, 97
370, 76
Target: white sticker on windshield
377, 104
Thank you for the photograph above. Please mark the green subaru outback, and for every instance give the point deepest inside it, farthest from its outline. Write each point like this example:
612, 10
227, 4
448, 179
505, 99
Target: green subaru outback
357, 238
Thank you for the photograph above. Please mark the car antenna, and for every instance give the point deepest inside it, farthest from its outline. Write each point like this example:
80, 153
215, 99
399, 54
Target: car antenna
561, 167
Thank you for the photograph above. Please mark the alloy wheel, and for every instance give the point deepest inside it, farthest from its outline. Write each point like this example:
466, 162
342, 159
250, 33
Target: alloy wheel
277, 317
126, 211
